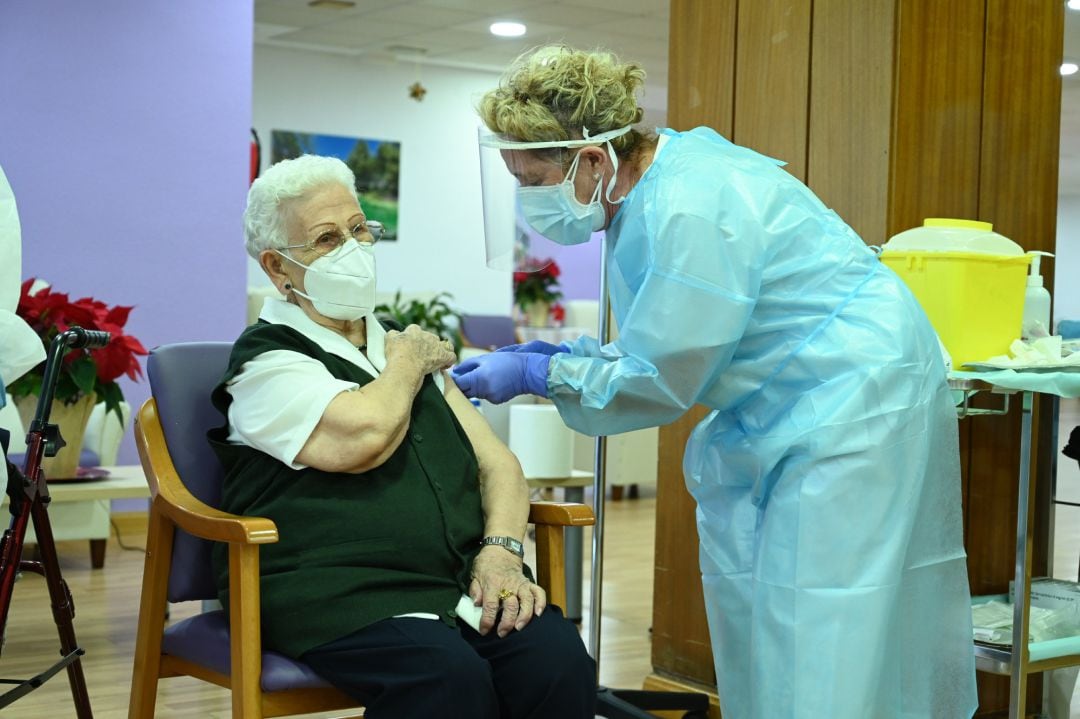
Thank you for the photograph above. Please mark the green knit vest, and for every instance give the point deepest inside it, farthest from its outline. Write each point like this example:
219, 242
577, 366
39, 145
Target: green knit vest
353, 548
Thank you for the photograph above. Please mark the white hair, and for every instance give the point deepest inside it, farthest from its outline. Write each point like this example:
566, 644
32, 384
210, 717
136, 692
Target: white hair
264, 225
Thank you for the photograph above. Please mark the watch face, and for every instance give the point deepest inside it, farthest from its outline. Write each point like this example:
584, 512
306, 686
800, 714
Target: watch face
508, 542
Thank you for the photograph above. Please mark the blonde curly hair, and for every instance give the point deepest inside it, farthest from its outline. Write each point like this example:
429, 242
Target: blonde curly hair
550, 93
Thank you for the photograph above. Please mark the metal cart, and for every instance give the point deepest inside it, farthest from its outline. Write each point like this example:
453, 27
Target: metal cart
1016, 661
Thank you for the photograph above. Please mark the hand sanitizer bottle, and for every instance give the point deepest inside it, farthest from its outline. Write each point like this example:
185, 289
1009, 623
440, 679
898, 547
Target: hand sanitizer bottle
1036, 302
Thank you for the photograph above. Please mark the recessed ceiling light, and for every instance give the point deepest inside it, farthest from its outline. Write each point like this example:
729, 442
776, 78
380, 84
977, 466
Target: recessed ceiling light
1069, 68
332, 4
507, 29
1073, 4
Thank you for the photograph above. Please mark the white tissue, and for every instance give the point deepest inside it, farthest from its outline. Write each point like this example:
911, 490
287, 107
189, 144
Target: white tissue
468, 612
1043, 352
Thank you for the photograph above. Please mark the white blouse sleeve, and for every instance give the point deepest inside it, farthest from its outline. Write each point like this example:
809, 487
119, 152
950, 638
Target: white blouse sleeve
278, 399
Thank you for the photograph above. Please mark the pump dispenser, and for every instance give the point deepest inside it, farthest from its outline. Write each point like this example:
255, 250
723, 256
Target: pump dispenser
1036, 301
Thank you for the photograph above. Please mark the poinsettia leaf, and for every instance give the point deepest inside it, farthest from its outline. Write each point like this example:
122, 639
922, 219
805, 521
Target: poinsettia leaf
84, 374
82, 316
66, 389
81, 371
29, 383
112, 397
112, 361
134, 345
118, 315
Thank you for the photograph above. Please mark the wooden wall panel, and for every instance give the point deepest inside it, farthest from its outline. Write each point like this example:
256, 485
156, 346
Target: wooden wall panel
1017, 191
851, 110
916, 108
700, 92
937, 112
680, 637
772, 80
701, 64
1021, 121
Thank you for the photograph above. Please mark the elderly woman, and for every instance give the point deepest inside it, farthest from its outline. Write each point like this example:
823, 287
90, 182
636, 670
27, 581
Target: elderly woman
398, 508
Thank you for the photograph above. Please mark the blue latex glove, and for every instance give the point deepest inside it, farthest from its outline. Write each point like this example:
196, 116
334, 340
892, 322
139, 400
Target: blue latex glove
537, 346
500, 376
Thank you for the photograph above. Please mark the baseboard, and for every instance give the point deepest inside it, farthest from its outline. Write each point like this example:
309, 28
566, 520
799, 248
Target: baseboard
131, 525
659, 682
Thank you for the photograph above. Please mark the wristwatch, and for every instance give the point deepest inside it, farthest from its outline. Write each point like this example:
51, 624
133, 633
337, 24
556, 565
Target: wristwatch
508, 543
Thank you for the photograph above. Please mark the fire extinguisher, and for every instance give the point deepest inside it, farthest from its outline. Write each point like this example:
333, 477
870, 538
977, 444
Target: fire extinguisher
256, 154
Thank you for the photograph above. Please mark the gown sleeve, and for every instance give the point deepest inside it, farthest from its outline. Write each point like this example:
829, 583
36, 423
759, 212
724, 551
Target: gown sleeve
699, 283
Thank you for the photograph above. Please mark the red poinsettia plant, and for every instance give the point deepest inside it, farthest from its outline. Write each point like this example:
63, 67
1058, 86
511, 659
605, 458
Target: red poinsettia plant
536, 281
84, 371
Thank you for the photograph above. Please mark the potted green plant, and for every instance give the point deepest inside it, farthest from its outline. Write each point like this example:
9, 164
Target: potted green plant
435, 315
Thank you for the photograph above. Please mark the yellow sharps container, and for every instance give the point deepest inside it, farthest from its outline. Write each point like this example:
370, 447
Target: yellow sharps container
969, 280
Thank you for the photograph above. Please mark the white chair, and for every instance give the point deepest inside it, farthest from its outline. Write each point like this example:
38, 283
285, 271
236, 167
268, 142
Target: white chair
584, 314
104, 432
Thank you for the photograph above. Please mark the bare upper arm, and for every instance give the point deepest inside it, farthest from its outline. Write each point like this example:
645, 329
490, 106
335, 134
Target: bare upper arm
349, 436
487, 445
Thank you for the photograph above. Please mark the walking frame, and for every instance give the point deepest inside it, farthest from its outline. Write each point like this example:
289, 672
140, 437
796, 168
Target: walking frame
29, 499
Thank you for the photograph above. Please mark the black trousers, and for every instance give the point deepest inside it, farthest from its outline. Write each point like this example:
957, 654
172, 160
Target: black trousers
410, 667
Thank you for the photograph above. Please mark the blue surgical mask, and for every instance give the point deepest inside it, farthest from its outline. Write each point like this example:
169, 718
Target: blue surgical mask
556, 213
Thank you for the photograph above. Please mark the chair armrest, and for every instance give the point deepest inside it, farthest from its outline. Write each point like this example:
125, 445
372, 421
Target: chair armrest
564, 514
550, 519
205, 522
173, 499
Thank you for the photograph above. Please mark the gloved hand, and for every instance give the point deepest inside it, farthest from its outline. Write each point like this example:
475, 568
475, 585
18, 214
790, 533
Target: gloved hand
538, 346
500, 376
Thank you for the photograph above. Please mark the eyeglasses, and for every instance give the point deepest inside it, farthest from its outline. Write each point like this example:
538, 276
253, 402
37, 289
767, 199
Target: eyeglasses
368, 231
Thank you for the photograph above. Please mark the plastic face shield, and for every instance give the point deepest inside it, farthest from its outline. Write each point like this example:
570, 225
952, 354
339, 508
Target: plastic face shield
505, 165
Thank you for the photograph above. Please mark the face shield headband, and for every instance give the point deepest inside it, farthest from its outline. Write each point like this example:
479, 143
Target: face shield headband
499, 143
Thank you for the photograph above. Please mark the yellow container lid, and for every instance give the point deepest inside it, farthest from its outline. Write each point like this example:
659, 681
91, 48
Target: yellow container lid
953, 222
940, 234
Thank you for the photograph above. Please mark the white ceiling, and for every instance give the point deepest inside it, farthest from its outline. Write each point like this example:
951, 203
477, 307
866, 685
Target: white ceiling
455, 33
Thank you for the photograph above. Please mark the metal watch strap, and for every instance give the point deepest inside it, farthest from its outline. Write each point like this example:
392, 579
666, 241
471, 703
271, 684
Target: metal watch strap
508, 543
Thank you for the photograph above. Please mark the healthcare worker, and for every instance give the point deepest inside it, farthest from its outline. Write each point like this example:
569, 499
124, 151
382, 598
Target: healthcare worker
827, 476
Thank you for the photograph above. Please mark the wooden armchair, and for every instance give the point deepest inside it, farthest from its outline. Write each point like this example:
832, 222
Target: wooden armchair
185, 481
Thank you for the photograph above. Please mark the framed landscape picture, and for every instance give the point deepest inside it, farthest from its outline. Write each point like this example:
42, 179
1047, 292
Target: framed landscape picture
376, 164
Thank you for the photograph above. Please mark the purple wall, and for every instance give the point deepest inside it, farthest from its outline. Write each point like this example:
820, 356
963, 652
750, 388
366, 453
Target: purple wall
124, 128
579, 265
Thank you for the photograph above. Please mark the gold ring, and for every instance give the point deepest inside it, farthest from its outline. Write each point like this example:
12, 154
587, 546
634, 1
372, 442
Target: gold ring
505, 594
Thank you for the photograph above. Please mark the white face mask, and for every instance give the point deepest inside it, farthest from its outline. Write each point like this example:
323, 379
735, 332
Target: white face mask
341, 285
556, 213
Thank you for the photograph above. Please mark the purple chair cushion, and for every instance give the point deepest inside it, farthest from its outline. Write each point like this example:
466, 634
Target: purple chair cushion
204, 640
182, 376
87, 458
488, 331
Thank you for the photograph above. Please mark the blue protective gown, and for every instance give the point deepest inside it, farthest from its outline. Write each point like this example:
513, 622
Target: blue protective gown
827, 476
